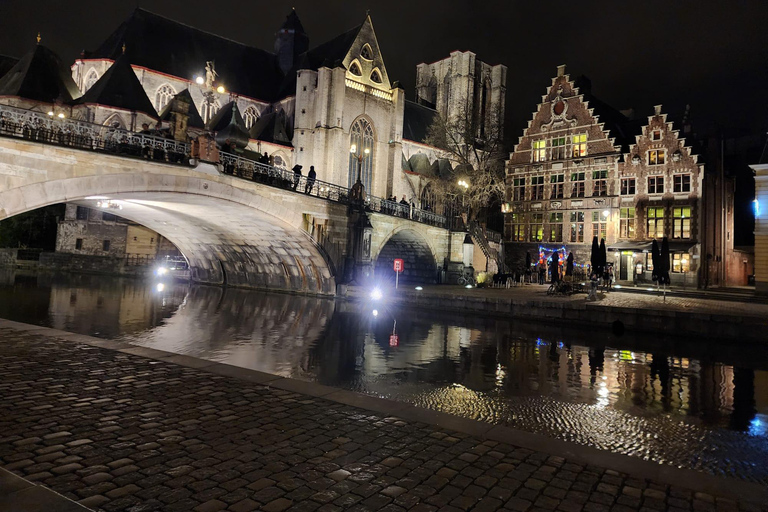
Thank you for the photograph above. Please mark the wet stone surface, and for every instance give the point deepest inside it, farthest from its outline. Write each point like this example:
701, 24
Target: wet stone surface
120, 432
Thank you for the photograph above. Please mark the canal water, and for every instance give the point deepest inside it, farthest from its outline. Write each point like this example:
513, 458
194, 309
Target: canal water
685, 402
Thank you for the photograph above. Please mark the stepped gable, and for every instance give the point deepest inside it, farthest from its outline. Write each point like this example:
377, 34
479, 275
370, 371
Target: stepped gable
120, 88
40, 76
195, 121
161, 44
417, 120
6, 63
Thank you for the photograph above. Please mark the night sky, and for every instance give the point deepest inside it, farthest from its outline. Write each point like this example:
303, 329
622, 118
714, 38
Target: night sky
711, 54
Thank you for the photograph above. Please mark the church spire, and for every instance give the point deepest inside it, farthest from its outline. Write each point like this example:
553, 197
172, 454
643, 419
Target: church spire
290, 42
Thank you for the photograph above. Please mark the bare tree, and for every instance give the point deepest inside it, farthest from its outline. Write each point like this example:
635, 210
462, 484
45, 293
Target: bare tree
477, 151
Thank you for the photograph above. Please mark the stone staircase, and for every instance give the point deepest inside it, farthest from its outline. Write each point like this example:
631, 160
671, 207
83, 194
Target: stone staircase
480, 238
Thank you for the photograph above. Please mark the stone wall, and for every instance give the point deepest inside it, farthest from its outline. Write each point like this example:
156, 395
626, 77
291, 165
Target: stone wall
88, 264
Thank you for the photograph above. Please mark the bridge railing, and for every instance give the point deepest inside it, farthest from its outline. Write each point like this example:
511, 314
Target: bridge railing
280, 177
51, 129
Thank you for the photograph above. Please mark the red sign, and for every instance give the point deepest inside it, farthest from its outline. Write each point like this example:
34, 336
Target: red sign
394, 339
398, 265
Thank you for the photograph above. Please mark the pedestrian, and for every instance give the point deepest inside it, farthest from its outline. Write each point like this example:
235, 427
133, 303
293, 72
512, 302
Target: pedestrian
296, 176
542, 273
311, 176
610, 277
404, 206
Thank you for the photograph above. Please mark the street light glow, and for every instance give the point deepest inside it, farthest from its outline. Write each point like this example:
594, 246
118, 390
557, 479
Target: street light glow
353, 148
376, 294
606, 213
220, 89
199, 80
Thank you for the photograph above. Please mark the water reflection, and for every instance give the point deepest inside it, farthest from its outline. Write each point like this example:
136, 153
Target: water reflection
685, 402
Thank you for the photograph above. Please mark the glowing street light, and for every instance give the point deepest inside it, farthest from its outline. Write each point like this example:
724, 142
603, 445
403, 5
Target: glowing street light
220, 89
199, 80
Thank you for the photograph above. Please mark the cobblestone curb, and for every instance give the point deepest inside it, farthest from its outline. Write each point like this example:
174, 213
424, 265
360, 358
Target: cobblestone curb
120, 427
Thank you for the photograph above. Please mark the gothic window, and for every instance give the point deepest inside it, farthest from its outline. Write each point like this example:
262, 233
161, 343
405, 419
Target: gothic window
163, 96
91, 79
361, 139
250, 116
376, 76
209, 109
354, 68
366, 52
428, 198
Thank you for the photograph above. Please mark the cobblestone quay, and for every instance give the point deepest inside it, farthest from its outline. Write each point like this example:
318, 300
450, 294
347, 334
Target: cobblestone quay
101, 424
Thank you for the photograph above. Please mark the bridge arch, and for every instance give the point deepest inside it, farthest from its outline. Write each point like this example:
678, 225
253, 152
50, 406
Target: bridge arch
232, 231
414, 248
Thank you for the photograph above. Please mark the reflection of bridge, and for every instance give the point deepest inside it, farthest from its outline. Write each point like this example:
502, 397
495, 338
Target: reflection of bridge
247, 226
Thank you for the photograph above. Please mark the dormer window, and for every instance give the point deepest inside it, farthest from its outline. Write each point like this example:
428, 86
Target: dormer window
376, 76
366, 52
354, 68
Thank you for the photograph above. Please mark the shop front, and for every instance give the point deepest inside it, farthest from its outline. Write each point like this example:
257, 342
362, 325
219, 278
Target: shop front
634, 263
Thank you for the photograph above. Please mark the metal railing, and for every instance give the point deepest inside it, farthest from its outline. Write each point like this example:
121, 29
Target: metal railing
245, 168
40, 127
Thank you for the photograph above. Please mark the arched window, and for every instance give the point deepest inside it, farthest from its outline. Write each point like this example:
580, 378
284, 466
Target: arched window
208, 110
250, 116
354, 68
366, 52
428, 198
279, 162
361, 137
163, 96
91, 78
376, 76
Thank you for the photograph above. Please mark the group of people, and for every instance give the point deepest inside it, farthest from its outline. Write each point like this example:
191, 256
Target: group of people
402, 208
311, 177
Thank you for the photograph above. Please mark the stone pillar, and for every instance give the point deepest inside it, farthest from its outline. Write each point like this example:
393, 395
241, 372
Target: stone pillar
363, 232
179, 118
761, 228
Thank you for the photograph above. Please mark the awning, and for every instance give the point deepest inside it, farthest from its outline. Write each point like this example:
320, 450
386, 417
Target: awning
637, 246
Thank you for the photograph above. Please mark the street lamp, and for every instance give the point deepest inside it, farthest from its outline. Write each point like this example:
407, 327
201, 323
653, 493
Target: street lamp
366, 152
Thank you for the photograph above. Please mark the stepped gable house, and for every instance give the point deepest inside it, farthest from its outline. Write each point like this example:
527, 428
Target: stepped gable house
583, 169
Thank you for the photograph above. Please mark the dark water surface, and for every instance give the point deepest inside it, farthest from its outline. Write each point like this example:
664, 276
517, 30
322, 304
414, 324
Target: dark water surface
684, 402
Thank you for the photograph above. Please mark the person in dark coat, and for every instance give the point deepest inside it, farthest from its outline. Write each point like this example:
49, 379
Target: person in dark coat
311, 176
296, 176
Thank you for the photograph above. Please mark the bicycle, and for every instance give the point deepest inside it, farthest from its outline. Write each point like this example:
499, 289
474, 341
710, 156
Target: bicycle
463, 281
560, 288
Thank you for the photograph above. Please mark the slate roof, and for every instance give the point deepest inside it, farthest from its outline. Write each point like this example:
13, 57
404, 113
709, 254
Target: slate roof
165, 45
120, 88
619, 126
40, 76
194, 121
416, 121
292, 22
6, 63
330, 53
271, 127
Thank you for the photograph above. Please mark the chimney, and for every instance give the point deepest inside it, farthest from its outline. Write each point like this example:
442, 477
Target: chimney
657, 110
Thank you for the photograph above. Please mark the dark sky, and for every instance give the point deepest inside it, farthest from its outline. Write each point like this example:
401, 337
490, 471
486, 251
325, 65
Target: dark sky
711, 54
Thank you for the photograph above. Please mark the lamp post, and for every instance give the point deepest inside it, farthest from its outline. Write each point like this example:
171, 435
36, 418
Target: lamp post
463, 186
353, 151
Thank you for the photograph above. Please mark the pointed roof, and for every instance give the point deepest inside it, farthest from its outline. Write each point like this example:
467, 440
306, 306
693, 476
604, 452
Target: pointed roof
271, 127
292, 22
176, 49
120, 88
40, 76
332, 52
229, 125
417, 120
195, 121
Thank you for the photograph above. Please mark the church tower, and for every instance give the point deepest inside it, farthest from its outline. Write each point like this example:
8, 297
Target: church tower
290, 42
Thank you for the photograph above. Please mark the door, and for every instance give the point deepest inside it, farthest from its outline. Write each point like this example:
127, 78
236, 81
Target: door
625, 264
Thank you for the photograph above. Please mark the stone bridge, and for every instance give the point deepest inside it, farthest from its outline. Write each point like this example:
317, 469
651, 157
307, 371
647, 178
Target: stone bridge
232, 231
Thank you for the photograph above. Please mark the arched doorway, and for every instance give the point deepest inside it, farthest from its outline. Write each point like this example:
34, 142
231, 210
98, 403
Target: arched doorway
419, 262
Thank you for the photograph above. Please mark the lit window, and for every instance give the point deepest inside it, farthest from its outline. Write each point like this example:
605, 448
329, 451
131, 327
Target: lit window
518, 189
579, 145
577, 189
656, 135
681, 183
681, 222
657, 156
361, 137
557, 186
163, 96
539, 150
648, 261
627, 186
655, 222
681, 262
250, 116
655, 184
518, 227
600, 183
558, 148
537, 227
599, 225
556, 227
577, 226
626, 223
537, 187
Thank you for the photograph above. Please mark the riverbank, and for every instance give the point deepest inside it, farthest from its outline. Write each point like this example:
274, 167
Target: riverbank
730, 322
113, 426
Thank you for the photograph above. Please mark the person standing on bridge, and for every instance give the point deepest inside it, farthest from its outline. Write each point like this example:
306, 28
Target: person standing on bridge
296, 176
311, 176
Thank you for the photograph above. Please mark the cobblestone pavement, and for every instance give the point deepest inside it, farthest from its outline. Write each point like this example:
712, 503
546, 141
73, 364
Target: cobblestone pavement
614, 298
116, 431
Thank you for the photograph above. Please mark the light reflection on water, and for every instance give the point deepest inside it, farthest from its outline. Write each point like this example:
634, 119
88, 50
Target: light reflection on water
682, 402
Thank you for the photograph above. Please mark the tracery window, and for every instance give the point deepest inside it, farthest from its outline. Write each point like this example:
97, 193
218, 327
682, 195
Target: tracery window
163, 96
209, 110
366, 52
361, 137
250, 116
376, 76
354, 68
92, 78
